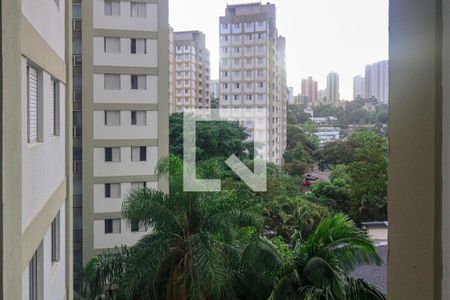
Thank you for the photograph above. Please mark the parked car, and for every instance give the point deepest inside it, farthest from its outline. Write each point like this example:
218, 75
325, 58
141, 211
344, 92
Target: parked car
311, 177
307, 183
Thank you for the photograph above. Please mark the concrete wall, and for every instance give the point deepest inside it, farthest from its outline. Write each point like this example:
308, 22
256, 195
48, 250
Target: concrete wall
414, 192
125, 130
125, 58
125, 94
54, 272
113, 205
108, 241
50, 24
125, 167
124, 21
43, 163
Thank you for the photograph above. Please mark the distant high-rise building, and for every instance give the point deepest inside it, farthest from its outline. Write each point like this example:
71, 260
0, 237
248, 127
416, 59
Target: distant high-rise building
333, 95
290, 99
214, 88
191, 72
253, 69
310, 89
377, 81
359, 87
322, 96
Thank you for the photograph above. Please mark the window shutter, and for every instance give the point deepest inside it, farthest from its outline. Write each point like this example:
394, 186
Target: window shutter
116, 226
135, 154
32, 104
116, 154
52, 106
142, 82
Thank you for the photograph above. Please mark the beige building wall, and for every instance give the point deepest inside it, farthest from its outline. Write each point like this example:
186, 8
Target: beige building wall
125, 111
36, 206
191, 72
253, 69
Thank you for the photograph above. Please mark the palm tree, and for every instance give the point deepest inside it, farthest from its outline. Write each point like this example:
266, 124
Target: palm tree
323, 261
193, 250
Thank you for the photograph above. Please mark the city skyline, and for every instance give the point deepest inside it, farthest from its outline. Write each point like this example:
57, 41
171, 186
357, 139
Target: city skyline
357, 38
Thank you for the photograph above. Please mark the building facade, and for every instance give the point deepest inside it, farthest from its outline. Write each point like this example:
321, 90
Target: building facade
36, 204
191, 72
359, 87
253, 70
333, 95
310, 89
124, 112
377, 81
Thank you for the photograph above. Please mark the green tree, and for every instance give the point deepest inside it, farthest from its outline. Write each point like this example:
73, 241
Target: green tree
322, 263
358, 188
193, 251
296, 114
214, 139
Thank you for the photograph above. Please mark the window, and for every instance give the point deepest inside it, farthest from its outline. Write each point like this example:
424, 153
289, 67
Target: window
32, 104
112, 8
139, 118
76, 46
135, 226
112, 154
237, 85
138, 82
138, 154
112, 45
138, 185
54, 107
138, 10
76, 10
261, 85
112, 226
112, 190
112, 82
35, 275
56, 238
112, 117
138, 46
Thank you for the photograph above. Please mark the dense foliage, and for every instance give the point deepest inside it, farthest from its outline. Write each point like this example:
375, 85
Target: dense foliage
214, 139
239, 244
358, 183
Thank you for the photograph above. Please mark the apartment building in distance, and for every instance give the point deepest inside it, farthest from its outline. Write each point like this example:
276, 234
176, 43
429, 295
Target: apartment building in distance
252, 69
377, 81
36, 204
191, 72
310, 89
124, 111
333, 94
359, 87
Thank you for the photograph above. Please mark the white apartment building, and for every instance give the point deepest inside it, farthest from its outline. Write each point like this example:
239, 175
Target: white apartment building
253, 70
333, 95
36, 212
125, 111
191, 72
377, 81
359, 87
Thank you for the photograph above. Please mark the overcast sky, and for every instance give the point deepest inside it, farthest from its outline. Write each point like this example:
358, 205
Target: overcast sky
322, 35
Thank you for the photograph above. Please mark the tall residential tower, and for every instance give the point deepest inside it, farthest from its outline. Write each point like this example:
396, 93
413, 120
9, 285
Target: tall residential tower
35, 185
253, 70
191, 71
333, 95
377, 81
121, 112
